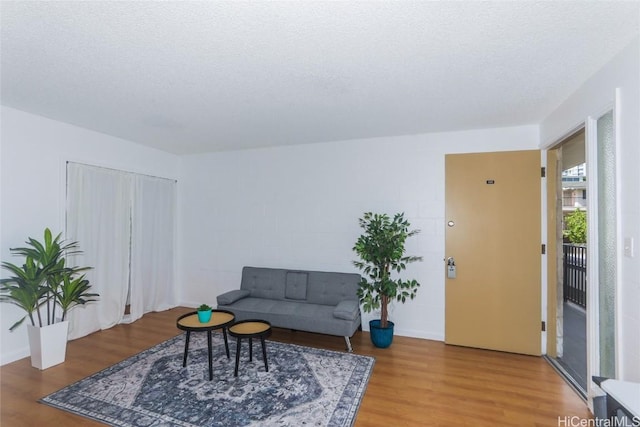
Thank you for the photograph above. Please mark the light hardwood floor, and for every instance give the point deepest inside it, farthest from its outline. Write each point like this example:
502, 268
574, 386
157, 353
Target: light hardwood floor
414, 383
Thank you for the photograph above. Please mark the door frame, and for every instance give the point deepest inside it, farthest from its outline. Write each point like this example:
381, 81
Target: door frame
589, 124
555, 278
593, 317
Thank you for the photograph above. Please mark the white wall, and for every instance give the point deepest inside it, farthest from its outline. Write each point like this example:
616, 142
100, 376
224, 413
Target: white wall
590, 100
298, 207
33, 155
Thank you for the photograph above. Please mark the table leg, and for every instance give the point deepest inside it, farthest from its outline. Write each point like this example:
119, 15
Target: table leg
235, 372
250, 349
226, 343
264, 355
210, 356
186, 349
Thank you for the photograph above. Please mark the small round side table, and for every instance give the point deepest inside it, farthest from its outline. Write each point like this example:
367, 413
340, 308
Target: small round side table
220, 319
250, 329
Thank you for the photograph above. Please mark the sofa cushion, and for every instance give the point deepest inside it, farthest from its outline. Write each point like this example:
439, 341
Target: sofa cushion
232, 296
347, 310
297, 315
331, 288
264, 282
296, 285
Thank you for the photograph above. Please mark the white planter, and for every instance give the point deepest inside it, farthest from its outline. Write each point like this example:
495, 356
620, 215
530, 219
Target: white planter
48, 344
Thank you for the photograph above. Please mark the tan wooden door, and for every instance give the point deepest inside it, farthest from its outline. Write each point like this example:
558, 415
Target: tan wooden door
493, 232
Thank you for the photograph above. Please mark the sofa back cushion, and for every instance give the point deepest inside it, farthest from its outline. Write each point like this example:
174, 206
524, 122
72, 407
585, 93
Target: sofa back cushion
264, 282
331, 288
316, 287
296, 285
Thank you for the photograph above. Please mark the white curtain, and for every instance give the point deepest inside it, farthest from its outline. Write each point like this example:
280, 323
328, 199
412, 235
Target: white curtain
152, 246
125, 225
98, 218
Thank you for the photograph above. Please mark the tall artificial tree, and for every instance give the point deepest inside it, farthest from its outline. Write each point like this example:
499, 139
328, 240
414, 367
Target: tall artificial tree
382, 251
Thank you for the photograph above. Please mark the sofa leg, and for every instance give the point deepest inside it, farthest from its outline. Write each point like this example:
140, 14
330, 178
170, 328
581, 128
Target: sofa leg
348, 342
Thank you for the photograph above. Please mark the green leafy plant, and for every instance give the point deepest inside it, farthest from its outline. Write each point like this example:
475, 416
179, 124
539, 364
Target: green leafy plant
24, 289
73, 291
576, 226
45, 280
204, 307
382, 251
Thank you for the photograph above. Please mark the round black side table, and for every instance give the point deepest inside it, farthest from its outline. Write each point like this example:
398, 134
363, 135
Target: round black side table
220, 319
250, 329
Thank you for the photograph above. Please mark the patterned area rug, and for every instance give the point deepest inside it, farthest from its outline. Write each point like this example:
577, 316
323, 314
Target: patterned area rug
304, 386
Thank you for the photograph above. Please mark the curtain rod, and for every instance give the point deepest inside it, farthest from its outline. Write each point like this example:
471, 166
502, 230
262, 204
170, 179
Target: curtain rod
119, 170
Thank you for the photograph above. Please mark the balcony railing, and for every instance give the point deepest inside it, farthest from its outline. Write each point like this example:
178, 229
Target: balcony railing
575, 274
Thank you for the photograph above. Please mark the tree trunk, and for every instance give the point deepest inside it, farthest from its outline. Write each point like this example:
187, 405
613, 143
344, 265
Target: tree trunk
384, 313
384, 299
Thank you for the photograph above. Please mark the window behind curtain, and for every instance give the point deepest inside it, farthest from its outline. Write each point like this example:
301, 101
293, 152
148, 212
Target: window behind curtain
124, 223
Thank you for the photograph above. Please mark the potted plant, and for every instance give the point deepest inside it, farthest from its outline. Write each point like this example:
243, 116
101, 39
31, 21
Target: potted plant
204, 313
45, 281
382, 251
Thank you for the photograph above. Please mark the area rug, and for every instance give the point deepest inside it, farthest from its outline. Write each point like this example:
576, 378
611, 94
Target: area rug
304, 386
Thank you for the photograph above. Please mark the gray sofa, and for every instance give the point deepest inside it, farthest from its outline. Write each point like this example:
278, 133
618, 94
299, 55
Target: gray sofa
312, 301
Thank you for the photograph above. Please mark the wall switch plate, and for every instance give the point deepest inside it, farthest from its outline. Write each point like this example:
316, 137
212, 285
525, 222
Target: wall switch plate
628, 247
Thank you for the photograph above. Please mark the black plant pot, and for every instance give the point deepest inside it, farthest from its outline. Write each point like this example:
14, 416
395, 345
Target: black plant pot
381, 337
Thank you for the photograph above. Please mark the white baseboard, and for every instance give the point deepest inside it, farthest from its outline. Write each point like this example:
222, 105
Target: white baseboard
15, 355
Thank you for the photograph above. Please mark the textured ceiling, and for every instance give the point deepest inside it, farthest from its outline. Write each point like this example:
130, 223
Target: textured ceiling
190, 77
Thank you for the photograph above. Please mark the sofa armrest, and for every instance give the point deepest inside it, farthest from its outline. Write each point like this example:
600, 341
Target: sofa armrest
347, 310
232, 296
